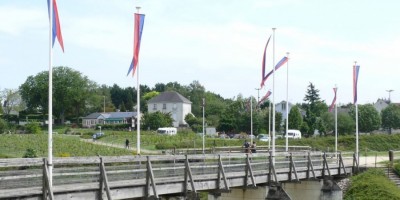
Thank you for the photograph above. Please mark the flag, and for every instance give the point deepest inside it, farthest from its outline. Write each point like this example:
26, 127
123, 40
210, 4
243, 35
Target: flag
56, 27
277, 66
281, 62
356, 69
265, 97
263, 63
333, 101
139, 21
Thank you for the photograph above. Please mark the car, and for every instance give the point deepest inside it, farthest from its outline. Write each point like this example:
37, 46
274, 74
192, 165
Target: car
263, 137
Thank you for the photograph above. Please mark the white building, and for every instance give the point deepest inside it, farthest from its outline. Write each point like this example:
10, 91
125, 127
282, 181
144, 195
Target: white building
381, 104
281, 107
171, 102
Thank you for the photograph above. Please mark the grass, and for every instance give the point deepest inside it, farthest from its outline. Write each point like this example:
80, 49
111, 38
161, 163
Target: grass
15, 146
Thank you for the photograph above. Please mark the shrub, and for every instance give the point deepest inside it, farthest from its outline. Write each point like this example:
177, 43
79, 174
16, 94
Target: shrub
30, 153
33, 128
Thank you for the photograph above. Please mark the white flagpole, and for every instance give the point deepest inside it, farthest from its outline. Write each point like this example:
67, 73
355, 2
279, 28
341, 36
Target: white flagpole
251, 120
50, 109
273, 99
269, 126
138, 103
336, 133
203, 125
287, 102
356, 104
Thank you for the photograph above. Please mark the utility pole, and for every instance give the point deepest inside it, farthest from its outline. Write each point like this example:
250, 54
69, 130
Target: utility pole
389, 91
258, 94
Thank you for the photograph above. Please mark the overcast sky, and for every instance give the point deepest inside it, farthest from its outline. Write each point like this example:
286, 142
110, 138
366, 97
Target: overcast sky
219, 43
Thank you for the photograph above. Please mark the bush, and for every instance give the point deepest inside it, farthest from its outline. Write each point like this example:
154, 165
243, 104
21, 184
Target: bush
33, 128
30, 153
372, 184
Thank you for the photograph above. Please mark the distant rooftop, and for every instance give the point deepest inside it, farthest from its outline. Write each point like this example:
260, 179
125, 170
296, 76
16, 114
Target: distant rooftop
170, 96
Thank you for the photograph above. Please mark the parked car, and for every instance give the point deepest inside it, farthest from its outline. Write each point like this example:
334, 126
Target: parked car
263, 137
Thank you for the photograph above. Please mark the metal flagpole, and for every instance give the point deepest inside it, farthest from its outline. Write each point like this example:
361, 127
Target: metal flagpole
138, 103
356, 104
251, 120
269, 126
273, 99
336, 133
50, 109
287, 102
203, 124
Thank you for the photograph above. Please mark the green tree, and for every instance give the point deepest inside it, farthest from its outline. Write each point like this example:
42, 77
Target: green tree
196, 124
3, 125
295, 119
71, 92
156, 120
314, 108
346, 124
12, 101
328, 120
368, 117
391, 117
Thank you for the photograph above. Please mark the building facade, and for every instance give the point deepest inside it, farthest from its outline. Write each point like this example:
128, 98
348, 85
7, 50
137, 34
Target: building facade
94, 119
171, 102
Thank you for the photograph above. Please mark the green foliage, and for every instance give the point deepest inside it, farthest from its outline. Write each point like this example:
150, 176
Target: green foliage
150, 95
295, 119
391, 117
196, 124
3, 125
368, 118
156, 120
396, 168
33, 128
314, 108
372, 184
346, 124
15, 145
30, 153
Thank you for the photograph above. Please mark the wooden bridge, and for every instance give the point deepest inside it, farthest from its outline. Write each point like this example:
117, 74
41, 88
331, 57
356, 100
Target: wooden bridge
130, 177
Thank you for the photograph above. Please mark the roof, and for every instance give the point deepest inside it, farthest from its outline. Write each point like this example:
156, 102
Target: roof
111, 115
170, 96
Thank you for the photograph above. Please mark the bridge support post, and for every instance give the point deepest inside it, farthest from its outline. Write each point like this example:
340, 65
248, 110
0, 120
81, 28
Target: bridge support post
325, 164
188, 172
271, 170
47, 189
221, 171
310, 166
248, 171
104, 181
150, 178
341, 164
292, 168
356, 167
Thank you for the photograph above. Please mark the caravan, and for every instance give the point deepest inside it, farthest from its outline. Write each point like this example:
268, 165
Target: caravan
294, 134
167, 130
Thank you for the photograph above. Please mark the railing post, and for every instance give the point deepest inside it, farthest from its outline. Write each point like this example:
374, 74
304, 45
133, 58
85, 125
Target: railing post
47, 189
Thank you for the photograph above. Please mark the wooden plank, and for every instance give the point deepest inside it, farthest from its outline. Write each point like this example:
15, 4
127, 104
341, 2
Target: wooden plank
105, 179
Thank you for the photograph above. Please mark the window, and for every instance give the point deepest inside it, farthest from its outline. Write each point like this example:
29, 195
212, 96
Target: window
283, 106
154, 106
164, 106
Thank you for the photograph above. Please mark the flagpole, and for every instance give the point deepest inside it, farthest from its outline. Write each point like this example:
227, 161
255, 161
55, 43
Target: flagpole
356, 104
336, 133
287, 102
50, 109
269, 125
138, 103
203, 126
251, 120
273, 99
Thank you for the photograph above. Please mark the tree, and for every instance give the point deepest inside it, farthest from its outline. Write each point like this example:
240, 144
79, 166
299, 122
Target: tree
196, 124
156, 120
391, 117
72, 92
368, 117
346, 124
12, 101
314, 108
328, 120
295, 119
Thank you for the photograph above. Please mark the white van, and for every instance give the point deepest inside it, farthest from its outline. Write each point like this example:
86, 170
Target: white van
294, 134
167, 130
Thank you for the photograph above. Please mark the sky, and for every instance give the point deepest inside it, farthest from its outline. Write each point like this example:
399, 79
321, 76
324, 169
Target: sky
218, 43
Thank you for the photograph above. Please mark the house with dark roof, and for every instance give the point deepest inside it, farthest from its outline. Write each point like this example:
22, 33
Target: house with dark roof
94, 119
171, 102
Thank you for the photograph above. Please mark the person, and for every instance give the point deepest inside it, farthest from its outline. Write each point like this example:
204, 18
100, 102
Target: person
127, 143
253, 147
246, 146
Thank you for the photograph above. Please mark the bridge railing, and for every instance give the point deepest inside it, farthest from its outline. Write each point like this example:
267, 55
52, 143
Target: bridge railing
18, 175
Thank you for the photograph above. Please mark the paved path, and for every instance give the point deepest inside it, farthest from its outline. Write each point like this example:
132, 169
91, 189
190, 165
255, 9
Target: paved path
372, 161
143, 151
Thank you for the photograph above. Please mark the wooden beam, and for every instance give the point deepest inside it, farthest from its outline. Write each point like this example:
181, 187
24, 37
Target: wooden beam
310, 166
188, 172
341, 164
221, 171
47, 188
104, 183
150, 177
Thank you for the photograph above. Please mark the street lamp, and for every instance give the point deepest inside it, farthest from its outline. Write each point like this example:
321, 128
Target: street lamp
389, 91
